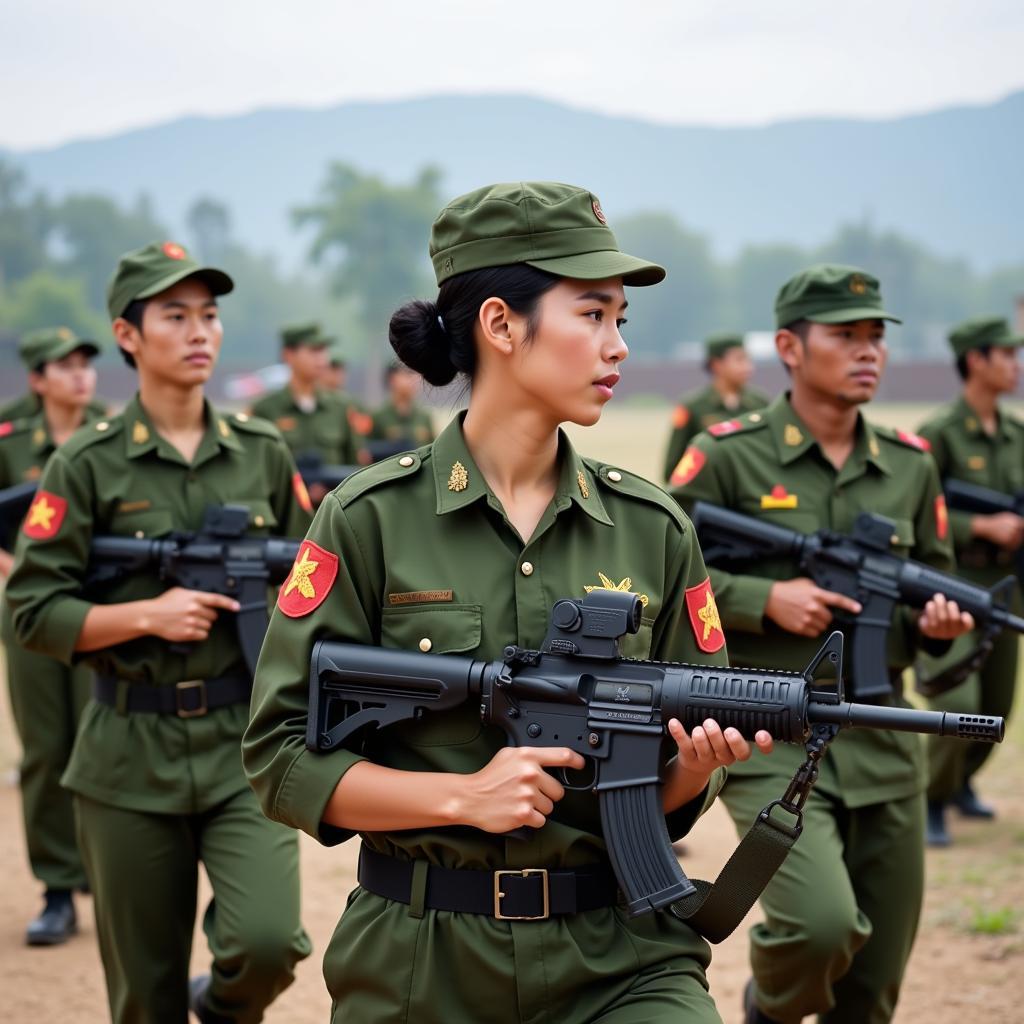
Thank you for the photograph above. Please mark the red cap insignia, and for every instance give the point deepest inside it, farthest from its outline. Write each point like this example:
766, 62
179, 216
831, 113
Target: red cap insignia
680, 416
707, 626
44, 516
598, 212
914, 440
309, 582
688, 467
173, 251
726, 427
941, 517
301, 494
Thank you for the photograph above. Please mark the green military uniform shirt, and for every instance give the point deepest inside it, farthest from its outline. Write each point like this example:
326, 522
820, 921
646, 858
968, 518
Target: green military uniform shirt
391, 424
325, 431
119, 476
964, 451
702, 408
28, 404
766, 464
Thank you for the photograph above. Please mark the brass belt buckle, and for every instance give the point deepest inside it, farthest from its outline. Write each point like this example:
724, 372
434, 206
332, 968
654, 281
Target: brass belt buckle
499, 895
184, 686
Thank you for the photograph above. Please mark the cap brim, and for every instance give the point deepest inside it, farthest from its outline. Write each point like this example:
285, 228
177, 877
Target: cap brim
605, 263
74, 345
851, 314
1010, 341
219, 283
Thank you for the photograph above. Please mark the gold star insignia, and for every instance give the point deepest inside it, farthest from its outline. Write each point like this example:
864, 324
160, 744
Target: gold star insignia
582, 481
709, 616
41, 513
38, 436
458, 479
623, 586
300, 577
140, 433
791, 435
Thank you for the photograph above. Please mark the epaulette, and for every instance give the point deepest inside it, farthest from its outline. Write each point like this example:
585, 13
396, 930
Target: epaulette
252, 425
398, 467
621, 481
15, 426
744, 424
903, 438
92, 433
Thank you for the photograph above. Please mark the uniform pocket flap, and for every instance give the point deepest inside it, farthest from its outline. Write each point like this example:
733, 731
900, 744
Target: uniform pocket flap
261, 515
903, 534
142, 522
434, 628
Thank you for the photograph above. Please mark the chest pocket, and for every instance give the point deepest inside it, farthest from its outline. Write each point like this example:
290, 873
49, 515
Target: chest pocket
903, 536
139, 523
447, 629
261, 516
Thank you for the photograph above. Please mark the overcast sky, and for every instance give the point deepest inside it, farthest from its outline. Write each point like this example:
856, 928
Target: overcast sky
85, 68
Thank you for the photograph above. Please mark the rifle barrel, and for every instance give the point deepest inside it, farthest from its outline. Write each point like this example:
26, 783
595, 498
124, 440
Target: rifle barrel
983, 728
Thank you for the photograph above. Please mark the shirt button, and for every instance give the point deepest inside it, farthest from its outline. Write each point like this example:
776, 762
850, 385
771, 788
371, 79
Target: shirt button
755, 417
614, 475
102, 425
406, 461
526, 568
425, 644
139, 534
258, 520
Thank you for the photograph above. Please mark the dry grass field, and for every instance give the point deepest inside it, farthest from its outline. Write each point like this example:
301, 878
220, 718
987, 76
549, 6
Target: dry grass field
968, 963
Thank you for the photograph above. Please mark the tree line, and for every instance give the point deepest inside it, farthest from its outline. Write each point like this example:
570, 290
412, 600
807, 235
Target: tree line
367, 254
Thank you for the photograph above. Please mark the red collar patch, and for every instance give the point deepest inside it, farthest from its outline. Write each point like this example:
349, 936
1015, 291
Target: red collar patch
723, 428
914, 440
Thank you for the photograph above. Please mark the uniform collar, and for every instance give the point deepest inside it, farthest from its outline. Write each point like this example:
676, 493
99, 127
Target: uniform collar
793, 439
458, 482
972, 423
40, 442
140, 435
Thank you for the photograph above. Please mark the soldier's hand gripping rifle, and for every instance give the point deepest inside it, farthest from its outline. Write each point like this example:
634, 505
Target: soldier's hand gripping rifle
219, 558
576, 691
860, 565
984, 501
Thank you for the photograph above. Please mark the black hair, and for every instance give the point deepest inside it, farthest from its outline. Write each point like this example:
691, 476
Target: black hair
961, 361
436, 338
134, 312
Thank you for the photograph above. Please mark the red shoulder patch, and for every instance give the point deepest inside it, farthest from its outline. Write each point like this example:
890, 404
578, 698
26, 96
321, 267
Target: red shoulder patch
6, 428
914, 440
360, 422
723, 428
301, 494
309, 582
941, 517
688, 467
704, 620
44, 516
680, 416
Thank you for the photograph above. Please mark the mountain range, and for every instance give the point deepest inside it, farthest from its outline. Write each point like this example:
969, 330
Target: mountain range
945, 179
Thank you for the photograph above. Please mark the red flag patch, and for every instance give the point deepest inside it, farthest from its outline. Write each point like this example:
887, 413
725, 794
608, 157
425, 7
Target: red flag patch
680, 416
44, 516
688, 466
941, 517
723, 428
301, 494
309, 582
704, 619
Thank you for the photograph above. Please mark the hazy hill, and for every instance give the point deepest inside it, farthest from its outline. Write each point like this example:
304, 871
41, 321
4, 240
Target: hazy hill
944, 178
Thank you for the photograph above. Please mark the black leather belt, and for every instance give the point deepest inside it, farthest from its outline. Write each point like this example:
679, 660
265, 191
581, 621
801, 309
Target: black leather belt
191, 698
522, 894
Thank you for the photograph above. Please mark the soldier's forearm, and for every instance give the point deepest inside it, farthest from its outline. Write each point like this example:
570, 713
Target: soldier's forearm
107, 625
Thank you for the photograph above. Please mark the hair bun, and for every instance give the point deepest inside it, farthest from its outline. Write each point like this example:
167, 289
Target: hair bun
420, 341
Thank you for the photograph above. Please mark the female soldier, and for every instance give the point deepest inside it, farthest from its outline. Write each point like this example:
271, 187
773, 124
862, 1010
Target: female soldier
507, 518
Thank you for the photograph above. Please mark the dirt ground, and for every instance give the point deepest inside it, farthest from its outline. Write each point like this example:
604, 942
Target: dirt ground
968, 962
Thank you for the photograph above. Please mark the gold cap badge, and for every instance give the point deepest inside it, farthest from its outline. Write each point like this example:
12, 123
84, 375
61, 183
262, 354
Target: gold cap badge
458, 479
858, 285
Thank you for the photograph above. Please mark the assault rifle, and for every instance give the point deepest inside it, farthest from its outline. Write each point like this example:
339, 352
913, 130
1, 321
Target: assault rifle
860, 565
983, 501
577, 691
14, 505
314, 470
218, 558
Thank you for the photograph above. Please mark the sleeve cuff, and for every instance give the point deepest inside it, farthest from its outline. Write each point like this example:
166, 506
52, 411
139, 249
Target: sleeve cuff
59, 629
681, 820
306, 790
961, 524
743, 602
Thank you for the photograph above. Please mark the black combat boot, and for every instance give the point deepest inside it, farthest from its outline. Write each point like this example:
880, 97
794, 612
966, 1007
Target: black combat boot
57, 922
936, 834
968, 804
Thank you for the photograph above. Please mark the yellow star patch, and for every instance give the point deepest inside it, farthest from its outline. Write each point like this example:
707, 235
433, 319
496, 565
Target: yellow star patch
300, 581
709, 616
41, 514
623, 586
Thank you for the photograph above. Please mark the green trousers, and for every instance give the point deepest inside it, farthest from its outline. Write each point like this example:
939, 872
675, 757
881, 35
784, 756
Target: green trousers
143, 869
990, 691
47, 699
842, 911
388, 966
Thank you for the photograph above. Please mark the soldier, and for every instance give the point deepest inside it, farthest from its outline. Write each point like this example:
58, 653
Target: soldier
155, 772
28, 404
47, 697
841, 913
463, 546
312, 421
401, 421
333, 380
973, 439
726, 395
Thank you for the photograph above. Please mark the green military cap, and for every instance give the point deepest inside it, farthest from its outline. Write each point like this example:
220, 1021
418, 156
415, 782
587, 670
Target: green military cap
558, 228
49, 344
309, 334
146, 272
982, 331
829, 293
717, 344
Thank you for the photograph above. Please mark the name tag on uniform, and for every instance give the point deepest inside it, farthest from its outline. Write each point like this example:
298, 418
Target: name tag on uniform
779, 498
420, 597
